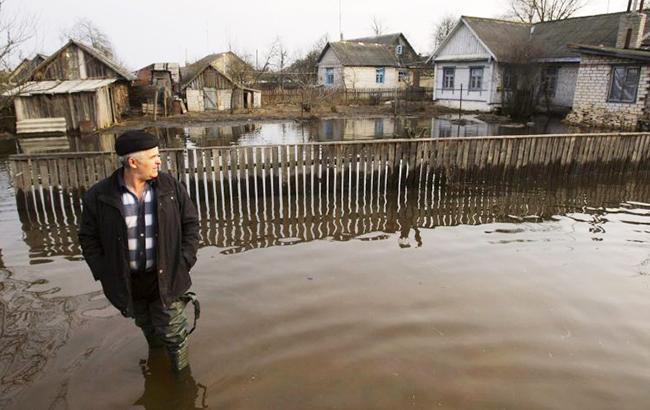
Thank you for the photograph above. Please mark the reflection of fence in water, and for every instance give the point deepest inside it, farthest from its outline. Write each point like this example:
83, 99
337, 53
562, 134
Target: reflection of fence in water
262, 212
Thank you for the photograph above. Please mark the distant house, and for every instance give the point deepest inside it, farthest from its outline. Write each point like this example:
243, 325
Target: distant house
612, 84
387, 61
206, 87
479, 53
23, 70
165, 75
76, 83
158, 80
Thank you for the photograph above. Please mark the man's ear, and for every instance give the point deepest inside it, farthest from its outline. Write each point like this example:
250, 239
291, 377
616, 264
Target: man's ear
132, 162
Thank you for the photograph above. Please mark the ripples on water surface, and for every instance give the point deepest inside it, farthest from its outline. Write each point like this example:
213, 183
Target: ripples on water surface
520, 294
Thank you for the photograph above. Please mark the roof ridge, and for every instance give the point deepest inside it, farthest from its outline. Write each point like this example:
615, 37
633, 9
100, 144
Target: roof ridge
497, 20
580, 17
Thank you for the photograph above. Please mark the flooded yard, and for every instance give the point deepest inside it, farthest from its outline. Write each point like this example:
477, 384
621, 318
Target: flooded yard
440, 293
321, 130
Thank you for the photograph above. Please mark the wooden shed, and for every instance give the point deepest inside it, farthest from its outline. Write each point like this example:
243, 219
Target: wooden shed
77, 83
207, 88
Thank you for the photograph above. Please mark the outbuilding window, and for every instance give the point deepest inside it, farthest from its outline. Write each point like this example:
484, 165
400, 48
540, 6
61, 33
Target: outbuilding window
448, 75
476, 78
379, 75
624, 84
329, 76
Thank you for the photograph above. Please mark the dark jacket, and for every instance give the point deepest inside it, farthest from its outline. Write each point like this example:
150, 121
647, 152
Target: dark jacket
103, 238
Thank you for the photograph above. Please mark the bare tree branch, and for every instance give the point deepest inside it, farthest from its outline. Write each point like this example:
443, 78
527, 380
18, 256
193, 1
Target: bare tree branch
533, 11
86, 31
442, 28
377, 26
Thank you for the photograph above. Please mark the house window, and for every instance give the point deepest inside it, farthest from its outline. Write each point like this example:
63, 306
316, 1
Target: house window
399, 49
448, 74
402, 76
379, 75
329, 76
625, 82
549, 81
476, 78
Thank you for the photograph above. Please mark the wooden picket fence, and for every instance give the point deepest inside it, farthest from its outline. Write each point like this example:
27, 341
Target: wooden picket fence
231, 166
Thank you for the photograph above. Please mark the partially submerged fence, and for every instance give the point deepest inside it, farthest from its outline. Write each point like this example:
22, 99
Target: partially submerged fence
238, 169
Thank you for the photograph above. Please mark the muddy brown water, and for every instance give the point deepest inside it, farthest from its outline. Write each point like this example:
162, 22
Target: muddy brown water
527, 294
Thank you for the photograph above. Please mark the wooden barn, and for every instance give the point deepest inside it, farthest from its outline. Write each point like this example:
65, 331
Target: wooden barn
207, 88
76, 83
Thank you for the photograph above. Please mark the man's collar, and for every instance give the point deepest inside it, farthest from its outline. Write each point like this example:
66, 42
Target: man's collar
120, 180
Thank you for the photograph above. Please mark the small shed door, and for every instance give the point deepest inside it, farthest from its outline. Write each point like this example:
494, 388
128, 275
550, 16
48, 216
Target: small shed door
210, 98
194, 100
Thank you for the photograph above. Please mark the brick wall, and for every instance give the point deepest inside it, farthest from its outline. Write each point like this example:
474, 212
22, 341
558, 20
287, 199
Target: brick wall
590, 106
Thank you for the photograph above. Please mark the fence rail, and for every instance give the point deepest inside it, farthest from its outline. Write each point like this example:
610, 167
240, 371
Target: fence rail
231, 167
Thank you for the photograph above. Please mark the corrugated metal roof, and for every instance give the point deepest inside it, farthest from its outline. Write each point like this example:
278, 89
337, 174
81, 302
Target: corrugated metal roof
58, 87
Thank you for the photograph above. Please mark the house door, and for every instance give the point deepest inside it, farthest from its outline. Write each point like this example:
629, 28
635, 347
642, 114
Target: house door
210, 99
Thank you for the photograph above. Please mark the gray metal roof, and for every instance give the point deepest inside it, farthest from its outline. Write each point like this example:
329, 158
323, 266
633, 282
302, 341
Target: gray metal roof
352, 53
58, 87
549, 39
627, 53
377, 51
383, 39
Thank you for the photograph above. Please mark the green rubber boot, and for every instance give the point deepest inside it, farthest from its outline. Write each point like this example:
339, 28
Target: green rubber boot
179, 358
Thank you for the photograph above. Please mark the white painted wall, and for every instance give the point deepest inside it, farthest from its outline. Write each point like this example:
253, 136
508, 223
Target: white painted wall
366, 77
462, 43
481, 100
330, 60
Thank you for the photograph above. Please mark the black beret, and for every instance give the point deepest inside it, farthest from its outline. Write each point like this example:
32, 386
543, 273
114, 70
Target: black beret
134, 141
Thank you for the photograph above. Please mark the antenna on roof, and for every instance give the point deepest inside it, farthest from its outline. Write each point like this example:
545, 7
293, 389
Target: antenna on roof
340, 25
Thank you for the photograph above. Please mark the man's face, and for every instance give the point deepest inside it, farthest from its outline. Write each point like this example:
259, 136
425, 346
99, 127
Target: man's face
147, 164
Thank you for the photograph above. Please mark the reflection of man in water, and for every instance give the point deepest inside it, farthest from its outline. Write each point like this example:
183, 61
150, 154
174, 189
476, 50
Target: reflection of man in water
139, 235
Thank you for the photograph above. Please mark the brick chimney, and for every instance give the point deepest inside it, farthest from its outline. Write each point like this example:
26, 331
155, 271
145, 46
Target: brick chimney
631, 26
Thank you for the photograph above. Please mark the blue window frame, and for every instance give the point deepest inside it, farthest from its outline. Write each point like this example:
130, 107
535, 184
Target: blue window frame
329, 76
476, 78
379, 75
448, 76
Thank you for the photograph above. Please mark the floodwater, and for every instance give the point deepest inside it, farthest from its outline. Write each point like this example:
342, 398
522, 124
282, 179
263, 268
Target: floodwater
291, 132
525, 294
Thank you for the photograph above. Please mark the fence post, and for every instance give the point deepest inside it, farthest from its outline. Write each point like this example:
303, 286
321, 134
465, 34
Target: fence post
460, 106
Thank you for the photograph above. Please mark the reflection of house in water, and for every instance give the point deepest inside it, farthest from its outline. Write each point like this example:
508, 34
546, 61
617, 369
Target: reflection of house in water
218, 136
353, 129
467, 127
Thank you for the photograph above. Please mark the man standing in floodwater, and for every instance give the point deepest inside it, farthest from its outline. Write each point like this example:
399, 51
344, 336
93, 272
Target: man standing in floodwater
139, 235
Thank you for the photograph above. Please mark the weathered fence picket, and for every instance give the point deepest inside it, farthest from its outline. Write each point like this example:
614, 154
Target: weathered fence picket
237, 171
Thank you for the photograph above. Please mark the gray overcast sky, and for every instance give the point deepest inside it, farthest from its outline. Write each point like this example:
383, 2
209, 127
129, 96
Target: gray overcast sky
147, 31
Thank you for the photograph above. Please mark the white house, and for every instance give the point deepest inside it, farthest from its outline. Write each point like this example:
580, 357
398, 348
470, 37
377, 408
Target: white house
381, 62
479, 55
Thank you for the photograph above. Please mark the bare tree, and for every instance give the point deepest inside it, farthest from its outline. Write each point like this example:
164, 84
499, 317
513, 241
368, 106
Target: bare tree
86, 31
377, 26
533, 11
442, 28
241, 71
14, 32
